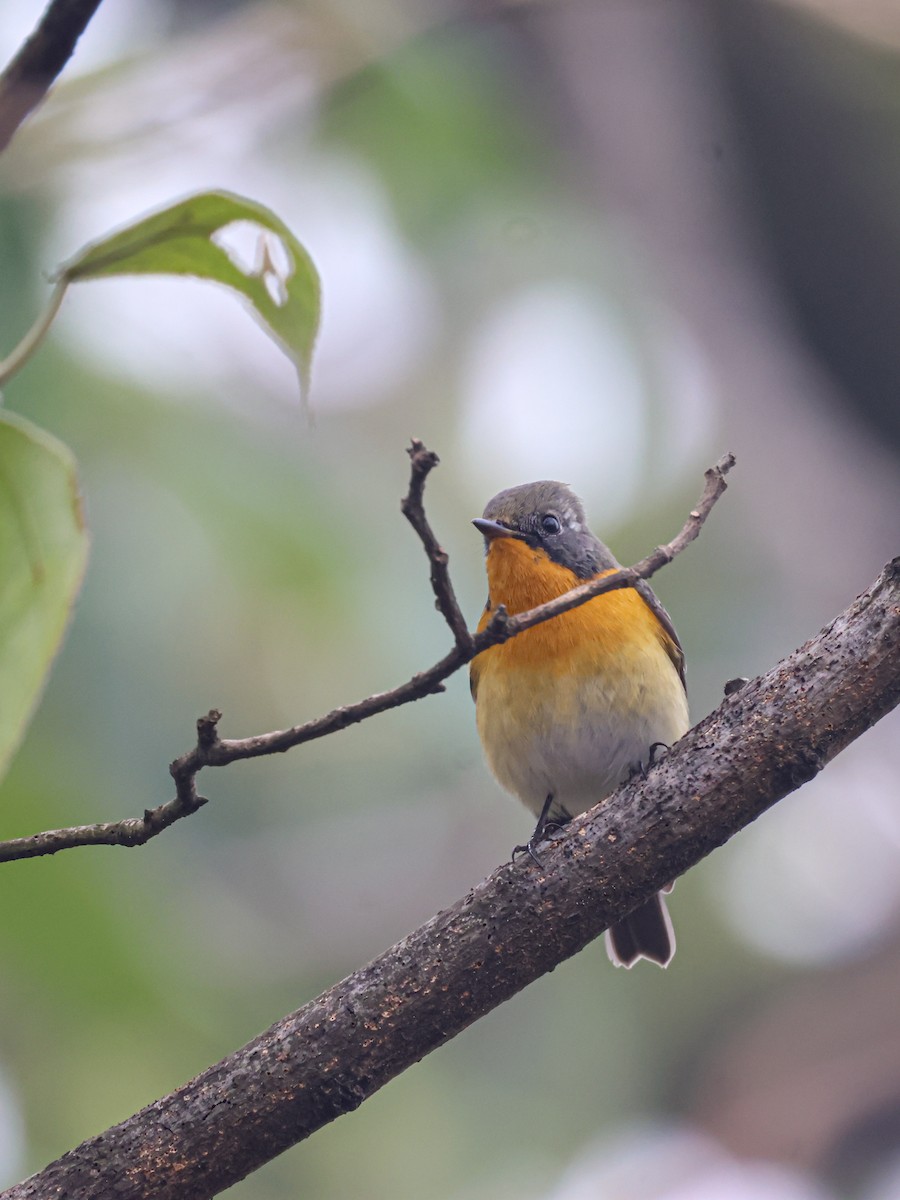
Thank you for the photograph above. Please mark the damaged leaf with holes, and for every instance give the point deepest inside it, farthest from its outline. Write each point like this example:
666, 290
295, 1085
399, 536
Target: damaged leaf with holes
281, 285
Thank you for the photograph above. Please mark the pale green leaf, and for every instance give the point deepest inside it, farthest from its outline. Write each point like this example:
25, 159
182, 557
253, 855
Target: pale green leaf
43, 552
282, 286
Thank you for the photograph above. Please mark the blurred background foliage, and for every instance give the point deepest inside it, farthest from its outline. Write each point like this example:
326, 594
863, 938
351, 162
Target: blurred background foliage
595, 242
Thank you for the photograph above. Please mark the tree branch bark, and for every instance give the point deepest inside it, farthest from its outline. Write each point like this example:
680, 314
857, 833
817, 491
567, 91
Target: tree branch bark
29, 75
764, 741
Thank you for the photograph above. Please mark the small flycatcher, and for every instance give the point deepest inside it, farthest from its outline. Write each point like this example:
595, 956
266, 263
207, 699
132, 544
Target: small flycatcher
570, 709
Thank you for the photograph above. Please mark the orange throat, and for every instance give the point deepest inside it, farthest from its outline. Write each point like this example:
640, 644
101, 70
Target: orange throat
590, 638
521, 577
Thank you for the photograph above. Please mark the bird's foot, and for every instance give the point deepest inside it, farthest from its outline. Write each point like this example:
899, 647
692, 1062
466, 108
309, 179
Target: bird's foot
529, 849
657, 752
546, 824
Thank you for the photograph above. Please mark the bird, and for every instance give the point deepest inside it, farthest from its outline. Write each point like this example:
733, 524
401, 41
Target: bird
571, 708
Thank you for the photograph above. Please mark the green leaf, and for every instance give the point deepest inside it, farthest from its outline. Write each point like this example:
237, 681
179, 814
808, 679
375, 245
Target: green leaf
282, 287
43, 552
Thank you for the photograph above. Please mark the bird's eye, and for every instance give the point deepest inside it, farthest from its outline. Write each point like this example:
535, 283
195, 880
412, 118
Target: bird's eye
549, 523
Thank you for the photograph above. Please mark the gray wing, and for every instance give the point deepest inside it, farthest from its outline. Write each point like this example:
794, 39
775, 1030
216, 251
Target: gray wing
672, 643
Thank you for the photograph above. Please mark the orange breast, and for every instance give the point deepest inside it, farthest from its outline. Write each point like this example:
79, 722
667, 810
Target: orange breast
591, 638
569, 707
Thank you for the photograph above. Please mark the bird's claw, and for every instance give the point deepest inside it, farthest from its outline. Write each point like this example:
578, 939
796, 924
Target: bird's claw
529, 849
657, 751
544, 823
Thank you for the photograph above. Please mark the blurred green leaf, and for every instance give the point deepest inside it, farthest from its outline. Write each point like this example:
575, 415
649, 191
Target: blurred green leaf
281, 286
43, 551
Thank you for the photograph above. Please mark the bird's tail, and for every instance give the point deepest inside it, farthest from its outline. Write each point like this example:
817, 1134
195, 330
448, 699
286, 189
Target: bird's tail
645, 933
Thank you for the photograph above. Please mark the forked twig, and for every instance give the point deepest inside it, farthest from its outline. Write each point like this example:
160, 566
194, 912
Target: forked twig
213, 751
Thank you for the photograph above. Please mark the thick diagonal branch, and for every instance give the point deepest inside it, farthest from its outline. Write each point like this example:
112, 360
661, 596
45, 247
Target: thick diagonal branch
765, 740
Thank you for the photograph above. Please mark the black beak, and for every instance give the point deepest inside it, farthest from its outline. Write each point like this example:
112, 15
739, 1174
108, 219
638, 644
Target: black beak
493, 529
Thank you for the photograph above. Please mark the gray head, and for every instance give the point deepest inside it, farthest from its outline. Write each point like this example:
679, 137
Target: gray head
549, 516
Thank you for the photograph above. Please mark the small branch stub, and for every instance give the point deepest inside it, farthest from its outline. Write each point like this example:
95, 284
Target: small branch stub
207, 729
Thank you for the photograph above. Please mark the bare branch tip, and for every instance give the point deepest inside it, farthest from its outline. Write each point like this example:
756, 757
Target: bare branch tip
423, 459
499, 622
207, 729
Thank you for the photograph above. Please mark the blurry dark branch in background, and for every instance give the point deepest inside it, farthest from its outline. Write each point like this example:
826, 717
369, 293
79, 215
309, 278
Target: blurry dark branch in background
30, 73
213, 751
765, 740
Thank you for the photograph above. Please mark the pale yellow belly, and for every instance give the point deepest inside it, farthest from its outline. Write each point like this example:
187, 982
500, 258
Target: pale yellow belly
576, 734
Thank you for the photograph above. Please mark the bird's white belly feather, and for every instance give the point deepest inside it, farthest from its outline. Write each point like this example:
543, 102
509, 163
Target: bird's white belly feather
575, 739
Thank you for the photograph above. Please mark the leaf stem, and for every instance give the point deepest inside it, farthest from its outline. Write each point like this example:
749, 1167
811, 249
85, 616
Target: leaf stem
35, 335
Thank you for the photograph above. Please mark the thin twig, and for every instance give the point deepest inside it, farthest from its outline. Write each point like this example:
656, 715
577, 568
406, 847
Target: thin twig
30, 73
413, 508
213, 751
131, 831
